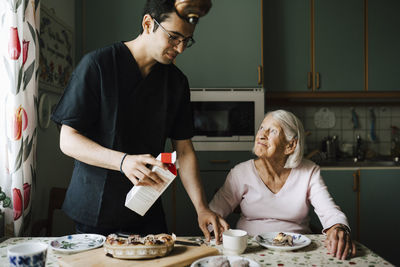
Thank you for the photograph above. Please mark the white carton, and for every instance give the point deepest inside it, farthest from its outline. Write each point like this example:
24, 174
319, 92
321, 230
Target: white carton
141, 198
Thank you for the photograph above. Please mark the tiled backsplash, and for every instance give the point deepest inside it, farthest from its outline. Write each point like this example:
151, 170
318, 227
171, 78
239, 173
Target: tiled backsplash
386, 116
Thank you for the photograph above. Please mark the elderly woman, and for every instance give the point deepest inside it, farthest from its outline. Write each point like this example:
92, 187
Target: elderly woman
275, 190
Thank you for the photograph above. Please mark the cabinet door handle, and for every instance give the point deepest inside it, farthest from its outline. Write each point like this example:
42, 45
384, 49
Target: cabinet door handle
317, 80
219, 161
309, 80
356, 181
259, 68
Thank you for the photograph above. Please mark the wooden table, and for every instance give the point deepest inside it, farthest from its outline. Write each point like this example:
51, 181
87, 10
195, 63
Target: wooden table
313, 255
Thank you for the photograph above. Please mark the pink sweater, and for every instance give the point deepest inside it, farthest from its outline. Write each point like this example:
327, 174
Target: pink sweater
287, 210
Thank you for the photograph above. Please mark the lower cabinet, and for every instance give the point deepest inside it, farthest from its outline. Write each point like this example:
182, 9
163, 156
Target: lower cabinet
214, 167
379, 213
186, 220
369, 198
341, 186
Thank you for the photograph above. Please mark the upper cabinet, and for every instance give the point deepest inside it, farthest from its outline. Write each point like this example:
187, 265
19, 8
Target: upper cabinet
383, 45
331, 48
338, 45
313, 45
227, 52
287, 45
310, 47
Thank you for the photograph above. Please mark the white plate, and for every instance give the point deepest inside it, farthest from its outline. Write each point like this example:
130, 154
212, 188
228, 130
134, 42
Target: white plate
203, 262
77, 243
299, 241
324, 119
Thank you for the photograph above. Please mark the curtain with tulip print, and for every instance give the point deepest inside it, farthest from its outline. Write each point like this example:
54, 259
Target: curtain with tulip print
19, 62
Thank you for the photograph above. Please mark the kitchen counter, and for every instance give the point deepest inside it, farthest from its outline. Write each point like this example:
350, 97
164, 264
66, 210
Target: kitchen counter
349, 164
344, 167
313, 255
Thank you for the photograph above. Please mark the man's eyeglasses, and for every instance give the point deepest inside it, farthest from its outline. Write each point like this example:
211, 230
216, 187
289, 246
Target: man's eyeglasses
175, 40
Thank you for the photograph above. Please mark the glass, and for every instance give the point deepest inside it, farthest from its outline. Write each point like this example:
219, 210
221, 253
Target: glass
223, 118
174, 40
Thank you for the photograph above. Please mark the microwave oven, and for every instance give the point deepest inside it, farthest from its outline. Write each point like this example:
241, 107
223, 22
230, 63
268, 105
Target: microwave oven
226, 119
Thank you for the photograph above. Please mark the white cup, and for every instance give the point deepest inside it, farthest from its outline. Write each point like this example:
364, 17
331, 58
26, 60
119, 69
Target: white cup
27, 254
234, 241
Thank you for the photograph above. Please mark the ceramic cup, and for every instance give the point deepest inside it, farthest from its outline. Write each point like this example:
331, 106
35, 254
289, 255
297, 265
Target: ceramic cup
234, 241
27, 254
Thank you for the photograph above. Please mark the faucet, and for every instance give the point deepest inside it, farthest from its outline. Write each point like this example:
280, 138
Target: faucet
359, 150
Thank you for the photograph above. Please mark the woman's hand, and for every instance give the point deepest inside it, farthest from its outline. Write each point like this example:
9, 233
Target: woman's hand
339, 243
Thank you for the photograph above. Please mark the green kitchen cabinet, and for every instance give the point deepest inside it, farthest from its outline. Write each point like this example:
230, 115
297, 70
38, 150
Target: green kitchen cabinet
227, 52
313, 45
341, 186
379, 212
214, 167
383, 45
186, 217
287, 45
369, 198
339, 45
186, 220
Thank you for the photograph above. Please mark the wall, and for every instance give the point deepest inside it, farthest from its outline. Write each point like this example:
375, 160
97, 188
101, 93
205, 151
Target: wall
96, 24
104, 23
53, 168
386, 116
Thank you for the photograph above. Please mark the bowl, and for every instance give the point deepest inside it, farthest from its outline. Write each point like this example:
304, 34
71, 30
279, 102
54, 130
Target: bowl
139, 251
28, 254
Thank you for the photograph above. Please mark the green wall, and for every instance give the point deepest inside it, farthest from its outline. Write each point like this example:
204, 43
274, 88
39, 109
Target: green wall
101, 23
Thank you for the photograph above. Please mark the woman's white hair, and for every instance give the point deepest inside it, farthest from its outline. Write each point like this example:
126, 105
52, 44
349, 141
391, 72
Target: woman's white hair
292, 128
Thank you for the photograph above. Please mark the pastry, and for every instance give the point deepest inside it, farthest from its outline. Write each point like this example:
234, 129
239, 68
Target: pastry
240, 263
283, 239
137, 247
219, 262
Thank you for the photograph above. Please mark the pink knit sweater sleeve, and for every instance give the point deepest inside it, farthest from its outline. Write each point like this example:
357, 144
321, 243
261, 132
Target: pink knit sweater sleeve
326, 209
227, 197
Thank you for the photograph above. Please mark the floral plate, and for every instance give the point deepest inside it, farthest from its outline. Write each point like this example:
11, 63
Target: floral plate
203, 262
299, 241
77, 243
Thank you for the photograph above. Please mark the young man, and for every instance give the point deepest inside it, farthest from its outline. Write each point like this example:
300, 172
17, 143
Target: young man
121, 104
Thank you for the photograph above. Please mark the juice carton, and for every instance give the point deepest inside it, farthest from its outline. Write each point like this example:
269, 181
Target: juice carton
141, 198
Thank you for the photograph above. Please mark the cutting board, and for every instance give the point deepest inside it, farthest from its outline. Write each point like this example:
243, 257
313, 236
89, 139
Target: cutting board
179, 256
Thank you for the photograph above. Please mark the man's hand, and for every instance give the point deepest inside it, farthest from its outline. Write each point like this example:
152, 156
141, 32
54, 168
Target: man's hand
339, 243
134, 167
219, 225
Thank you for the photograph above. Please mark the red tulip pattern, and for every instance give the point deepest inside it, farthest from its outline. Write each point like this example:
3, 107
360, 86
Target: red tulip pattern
14, 46
25, 48
17, 203
20, 122
27, 195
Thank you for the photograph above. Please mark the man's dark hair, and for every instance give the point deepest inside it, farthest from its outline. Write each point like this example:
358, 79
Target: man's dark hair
158, 10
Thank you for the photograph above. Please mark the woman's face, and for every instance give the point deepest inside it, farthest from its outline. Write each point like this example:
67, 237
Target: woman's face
270, 140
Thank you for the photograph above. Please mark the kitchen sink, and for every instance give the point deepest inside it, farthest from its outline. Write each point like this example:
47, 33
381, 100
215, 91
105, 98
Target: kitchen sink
364, 163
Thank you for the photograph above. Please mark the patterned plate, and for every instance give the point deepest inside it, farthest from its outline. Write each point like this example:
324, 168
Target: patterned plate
77, 243
299, 241
204, 262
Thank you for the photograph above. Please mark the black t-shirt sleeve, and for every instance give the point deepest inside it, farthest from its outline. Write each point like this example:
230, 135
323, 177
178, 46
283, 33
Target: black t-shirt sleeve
79, 105
183, 127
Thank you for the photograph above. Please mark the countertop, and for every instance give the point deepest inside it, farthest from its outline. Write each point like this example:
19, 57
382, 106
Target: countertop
313, 255
337, 168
